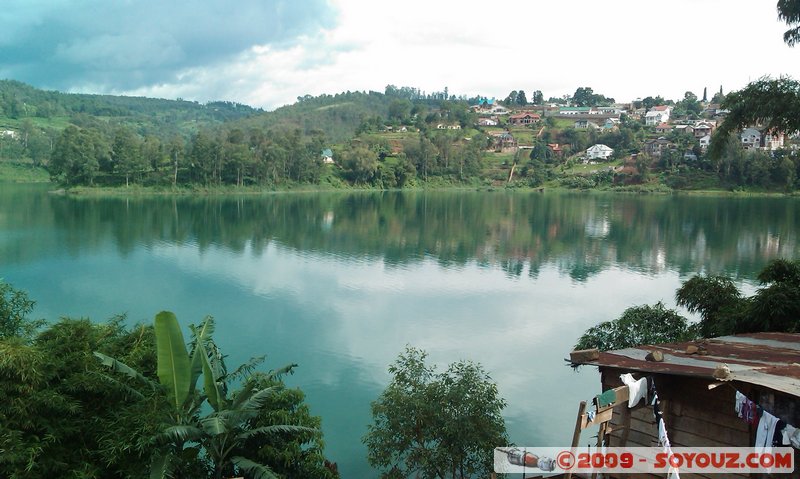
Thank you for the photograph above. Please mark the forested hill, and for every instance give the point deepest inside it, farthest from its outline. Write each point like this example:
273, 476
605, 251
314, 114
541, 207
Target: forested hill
148, 116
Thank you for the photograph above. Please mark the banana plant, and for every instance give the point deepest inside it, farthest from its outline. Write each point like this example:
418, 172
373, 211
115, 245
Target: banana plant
221, 434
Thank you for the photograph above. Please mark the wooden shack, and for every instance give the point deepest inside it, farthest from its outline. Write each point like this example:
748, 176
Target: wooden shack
698, 394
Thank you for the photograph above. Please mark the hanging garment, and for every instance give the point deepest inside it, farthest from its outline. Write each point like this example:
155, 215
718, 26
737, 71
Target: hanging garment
766, 430
637, 390
740, 401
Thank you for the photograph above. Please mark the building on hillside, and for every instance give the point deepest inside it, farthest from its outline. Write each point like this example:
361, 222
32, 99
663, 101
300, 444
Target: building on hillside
524, 118
772, 141
611, 123
663, 129
8, 133
574, 110
751, 138
686, 129
556, 149
585, 125
703, 128
599, 152
504, 141
327, 156
655, 147
705, 142
488, 122
716, 392
657, 115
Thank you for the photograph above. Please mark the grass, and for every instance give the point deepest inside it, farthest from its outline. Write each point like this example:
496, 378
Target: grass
22, 173
581, 169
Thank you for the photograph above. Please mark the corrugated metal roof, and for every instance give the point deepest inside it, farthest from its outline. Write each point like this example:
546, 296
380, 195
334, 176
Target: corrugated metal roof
766, 359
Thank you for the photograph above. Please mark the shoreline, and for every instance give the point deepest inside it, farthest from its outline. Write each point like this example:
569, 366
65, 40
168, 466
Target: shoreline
143, 191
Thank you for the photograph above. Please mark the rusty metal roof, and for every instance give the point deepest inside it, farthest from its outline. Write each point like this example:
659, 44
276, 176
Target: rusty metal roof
766, 359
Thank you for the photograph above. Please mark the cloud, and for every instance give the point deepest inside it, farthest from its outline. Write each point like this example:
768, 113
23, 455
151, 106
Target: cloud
125, 45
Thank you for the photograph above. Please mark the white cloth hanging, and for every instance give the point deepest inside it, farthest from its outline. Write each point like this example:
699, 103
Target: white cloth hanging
636, 389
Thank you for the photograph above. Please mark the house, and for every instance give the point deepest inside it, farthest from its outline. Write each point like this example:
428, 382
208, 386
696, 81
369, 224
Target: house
504, 141
751, 138
696, 389
8, 133
574, 110
705, 142
487, 122
687, 129
524, 118
703, 128
327, 156
555, 148
772, 141
586, 125
498, 110
655, 147
442, 126
663, 128
610, 123
599, 152
657, 115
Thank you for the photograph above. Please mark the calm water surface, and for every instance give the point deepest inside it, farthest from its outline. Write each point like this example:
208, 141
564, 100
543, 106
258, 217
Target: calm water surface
340, 283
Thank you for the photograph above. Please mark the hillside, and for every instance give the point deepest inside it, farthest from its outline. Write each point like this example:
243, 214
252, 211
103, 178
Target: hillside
51, 110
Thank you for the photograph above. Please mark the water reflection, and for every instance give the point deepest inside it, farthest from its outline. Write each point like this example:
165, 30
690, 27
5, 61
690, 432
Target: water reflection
581, 234
342, 282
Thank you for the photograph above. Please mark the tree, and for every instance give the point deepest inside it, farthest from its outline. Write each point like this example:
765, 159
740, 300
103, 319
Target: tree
705, 95
511, 99
431, 425
715, 298
789, 12
126, 153
221, 435
15, 306
638, 325
772, 103
537, 98
521, 98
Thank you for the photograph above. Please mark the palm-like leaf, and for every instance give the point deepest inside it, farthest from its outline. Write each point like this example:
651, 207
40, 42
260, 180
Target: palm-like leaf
180, 433
258, 471
256, 399
278, 428
215, 425
120, 367
174, 368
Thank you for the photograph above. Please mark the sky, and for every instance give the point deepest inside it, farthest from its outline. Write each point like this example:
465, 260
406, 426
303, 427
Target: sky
266, 53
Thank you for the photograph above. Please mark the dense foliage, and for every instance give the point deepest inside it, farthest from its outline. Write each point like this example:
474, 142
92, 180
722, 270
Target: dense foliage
64, 415
722, 308
638, 325
431, 425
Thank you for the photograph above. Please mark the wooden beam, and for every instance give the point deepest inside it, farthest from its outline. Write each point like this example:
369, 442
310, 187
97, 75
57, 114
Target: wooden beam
576, 434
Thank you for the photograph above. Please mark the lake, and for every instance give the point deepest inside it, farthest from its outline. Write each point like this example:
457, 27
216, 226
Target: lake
341, 282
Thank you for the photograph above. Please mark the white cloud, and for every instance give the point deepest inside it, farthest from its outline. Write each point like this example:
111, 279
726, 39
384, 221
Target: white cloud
624, 49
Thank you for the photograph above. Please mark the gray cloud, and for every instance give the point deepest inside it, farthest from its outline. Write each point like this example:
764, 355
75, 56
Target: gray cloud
126, 45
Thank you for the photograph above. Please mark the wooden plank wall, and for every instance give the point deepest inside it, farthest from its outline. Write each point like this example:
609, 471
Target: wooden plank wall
693, 414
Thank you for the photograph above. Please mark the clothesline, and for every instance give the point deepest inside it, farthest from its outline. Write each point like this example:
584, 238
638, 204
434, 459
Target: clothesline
770, 430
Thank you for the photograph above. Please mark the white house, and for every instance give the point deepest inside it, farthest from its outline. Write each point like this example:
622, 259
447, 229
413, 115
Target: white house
599, 152
657, 115
704, 142
8, 133
751, 138
487, 122
773, 141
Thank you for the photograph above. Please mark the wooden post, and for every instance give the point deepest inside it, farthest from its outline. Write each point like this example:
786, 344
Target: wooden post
576, 435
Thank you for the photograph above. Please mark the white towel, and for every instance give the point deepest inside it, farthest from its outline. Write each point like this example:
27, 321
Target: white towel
636, 389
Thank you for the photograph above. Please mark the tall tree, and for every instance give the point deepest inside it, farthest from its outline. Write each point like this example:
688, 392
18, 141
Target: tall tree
431, 425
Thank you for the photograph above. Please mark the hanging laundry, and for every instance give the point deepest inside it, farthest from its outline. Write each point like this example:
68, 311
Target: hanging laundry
741, 399
766, 430
637, 390
606, 398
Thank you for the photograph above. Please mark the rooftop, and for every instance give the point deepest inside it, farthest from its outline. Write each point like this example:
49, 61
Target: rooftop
765, 359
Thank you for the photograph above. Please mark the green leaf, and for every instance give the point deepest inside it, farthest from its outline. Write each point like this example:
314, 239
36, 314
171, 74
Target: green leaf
120, 367
174, 368
211, 386
214, 425
275, 429
158, 468
258, 471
